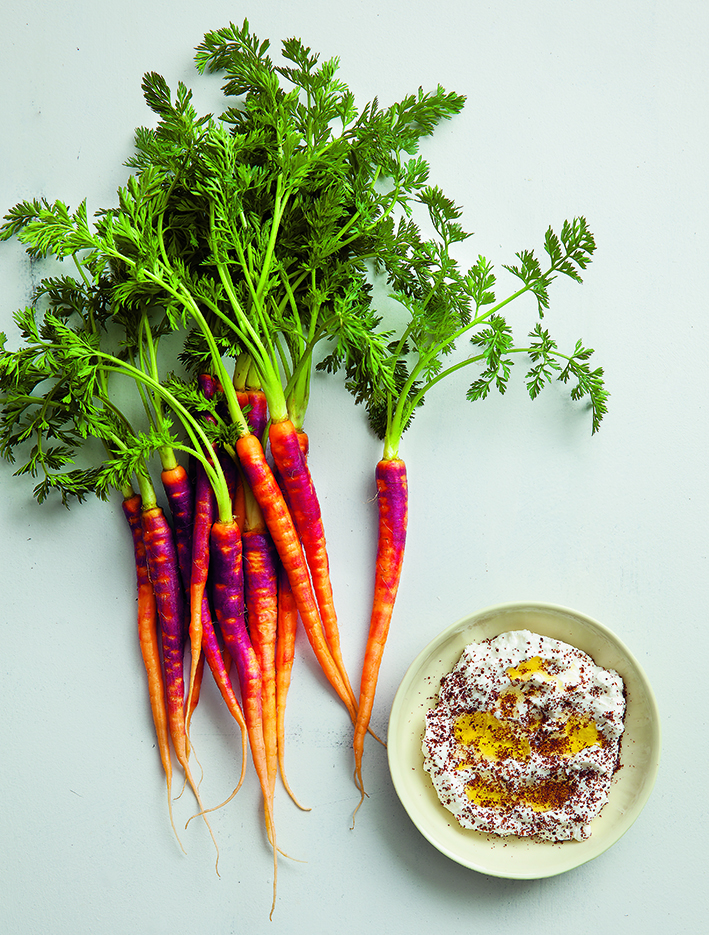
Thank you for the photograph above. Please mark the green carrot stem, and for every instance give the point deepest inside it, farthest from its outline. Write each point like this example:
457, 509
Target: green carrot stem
202, 445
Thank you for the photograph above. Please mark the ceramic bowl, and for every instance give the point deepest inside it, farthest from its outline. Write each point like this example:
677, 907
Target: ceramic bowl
510, 856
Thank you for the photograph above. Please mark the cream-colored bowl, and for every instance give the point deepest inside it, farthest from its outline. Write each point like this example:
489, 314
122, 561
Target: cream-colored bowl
511, 856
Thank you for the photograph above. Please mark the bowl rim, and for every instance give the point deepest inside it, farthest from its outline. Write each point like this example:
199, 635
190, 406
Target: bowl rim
415, 789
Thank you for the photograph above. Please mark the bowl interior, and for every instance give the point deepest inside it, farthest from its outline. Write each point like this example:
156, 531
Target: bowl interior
510, 856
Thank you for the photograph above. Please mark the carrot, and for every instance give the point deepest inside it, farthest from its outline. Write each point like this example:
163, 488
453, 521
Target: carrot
228, 596
217, 664
210, 386
149, 644
162, 562
304, 445
285, 653
285, 648
285, 538
258, 410
194, 696
305, 508
161, 556
204, 513
303, 442
255, 407
180, 497
261, 595
205, 507
392, 491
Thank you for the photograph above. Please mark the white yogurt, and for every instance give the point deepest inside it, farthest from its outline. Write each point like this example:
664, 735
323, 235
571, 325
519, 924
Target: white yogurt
525, 737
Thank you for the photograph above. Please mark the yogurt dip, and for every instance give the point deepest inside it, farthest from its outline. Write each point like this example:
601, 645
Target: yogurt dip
525, 737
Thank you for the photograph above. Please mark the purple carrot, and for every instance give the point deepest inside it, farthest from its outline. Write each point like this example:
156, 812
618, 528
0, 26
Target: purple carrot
227, 577
392, 490
161, 556
209, 385
257, 414
205, 507
149, 640
180, 497
294, 474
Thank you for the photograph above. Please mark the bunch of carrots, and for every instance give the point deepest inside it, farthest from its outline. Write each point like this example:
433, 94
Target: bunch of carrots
256, 237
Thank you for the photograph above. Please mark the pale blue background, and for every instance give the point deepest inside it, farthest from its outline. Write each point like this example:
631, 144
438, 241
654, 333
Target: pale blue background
594, 107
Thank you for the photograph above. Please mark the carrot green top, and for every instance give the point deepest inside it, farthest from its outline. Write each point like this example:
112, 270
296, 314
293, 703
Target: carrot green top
255, 234
285, 197
444, 304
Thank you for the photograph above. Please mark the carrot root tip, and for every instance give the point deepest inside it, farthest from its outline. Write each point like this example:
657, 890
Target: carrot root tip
363, 795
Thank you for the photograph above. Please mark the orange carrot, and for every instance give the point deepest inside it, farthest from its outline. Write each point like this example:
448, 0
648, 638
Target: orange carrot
150, 645
261, 596
285, 538
285, 653
161, 555
392, 490
194, 697
294, 474
204, 513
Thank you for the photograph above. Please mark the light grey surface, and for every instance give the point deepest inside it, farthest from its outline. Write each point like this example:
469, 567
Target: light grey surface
593, 108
